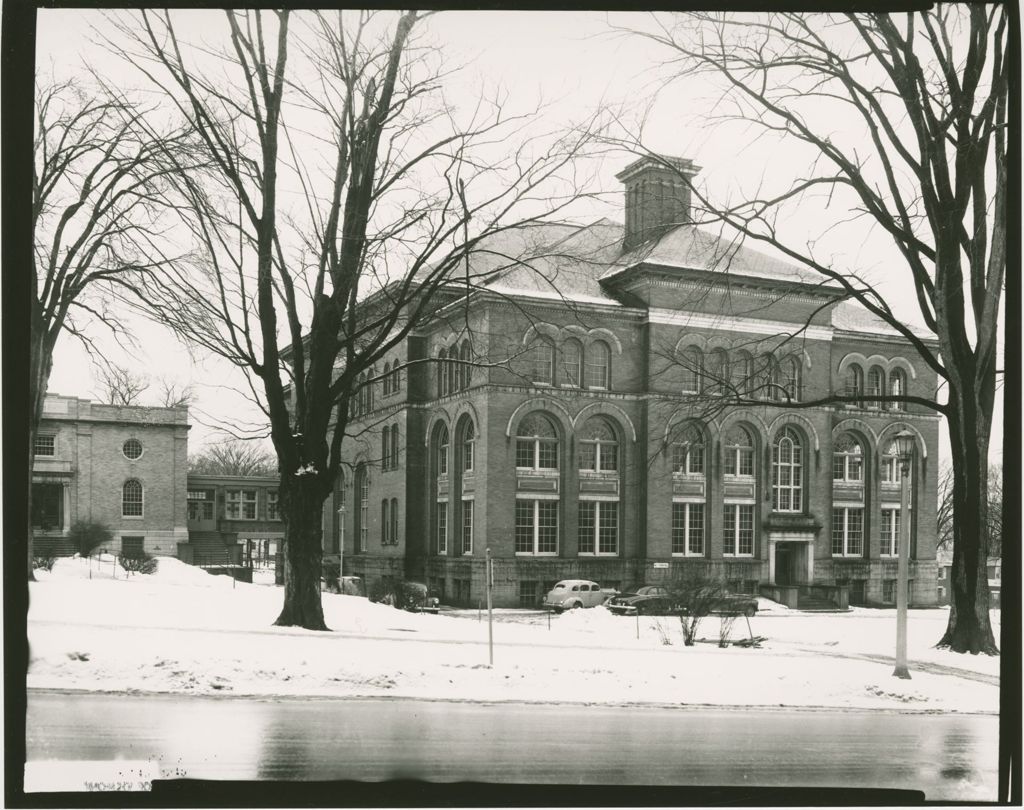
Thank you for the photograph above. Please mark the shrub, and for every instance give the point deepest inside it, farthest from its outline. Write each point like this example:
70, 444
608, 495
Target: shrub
384, 590
138, 563
331, 576
697, 593
88, 534
44, 561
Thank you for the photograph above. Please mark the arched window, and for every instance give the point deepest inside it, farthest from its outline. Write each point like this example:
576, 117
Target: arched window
741, 373
892, 470
688, 451
536, 443
897, 388
598, 446
394, 521
768, 378
452, 371
468, 447
131, 498
387, 379
787, 471
466, 371
363, 514
847, 459
792, 378
598, 358
442, 450
394, 447
540, 359
442, 371
855, 384
385, 448
718, 372
385, 522
570, 373
739, 453
692, 362
876, 385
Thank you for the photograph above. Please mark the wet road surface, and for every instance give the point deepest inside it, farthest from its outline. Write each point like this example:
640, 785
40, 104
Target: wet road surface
951, 757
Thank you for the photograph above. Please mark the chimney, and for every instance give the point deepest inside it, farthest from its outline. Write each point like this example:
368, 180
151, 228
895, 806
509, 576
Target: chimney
657, 196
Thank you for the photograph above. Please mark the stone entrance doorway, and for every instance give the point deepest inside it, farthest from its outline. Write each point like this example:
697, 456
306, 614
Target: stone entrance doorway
787, 567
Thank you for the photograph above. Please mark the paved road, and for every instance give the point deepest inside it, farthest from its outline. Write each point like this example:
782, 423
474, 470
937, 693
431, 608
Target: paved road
947, 756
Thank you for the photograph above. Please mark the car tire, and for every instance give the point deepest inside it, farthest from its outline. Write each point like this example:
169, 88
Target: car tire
577, 604
750, 611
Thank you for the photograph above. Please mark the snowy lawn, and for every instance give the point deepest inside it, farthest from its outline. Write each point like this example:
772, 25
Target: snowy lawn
182, 630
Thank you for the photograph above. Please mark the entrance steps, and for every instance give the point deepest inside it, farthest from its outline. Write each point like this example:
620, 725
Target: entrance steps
817, 604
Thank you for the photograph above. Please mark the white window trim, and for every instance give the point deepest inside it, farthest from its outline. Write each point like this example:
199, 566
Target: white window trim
597, 528
736, 531
472, 526
142, 503
536, 526
846, 507
686, 534
891, 555
536, 455
142, 448
46, 436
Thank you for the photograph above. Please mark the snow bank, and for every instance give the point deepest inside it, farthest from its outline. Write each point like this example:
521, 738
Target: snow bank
184, 630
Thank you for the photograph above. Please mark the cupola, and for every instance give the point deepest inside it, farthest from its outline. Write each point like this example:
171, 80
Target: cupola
657, 196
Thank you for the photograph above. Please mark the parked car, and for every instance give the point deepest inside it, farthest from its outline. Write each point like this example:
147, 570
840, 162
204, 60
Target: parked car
574, 593
647, 599
417, 598
731, 604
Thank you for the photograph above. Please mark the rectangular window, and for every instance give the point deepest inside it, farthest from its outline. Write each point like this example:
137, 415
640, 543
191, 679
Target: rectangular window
442, 527
547, 455
528, 593
588, 456
890, 532
200, 504
241, 504
44, 445
132, 546
848, 532
888, 591
599, 527
385, 522
688, 529
467, 455
536, 527
467, 527
738, 530
688, 458
47, 506
739, 461
273, 510
394, 521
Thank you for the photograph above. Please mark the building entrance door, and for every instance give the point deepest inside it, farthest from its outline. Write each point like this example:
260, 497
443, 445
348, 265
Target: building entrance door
783, 564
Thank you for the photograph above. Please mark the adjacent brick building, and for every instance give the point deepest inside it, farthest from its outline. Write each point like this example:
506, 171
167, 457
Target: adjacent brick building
571, 420
123, 466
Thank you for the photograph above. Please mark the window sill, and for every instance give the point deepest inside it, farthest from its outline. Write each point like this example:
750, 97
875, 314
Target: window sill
689, 555
847, 556
747, 556
546, 471
597, 554
536, 553
133, 517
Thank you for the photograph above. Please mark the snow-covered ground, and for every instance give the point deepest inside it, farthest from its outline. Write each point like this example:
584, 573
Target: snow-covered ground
183, 630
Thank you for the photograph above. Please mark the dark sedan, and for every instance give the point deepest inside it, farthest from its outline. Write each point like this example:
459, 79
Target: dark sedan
651, 600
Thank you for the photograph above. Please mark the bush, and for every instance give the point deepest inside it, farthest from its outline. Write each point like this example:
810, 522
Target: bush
696, 593
331, 573
44, 561
88, 534
138, 563
385, 591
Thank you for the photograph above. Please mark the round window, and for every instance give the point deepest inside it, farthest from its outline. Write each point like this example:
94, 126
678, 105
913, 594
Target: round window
132, 449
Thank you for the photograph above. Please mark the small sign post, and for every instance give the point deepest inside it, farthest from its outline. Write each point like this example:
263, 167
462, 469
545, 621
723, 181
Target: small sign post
489, 573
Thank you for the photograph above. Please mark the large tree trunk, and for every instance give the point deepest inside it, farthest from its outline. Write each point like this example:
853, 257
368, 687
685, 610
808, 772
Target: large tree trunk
302, 505
969, 628
40, 363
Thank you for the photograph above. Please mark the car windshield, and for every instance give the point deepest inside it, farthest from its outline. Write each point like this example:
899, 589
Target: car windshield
559, 586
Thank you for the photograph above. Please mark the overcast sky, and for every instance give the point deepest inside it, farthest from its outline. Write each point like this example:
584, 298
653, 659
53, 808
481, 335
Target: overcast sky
572, 58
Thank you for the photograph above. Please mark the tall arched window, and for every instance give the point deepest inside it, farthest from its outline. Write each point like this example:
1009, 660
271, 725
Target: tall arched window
363, 513
741, 373
692, 361
598, 446
468, 447
387, 379
897, 388
855, 384
787, 471
876, 385
466, 371
385, 522
718, 372
452, 371
536, 443
892, 470
739, 453
847, 459
540, 359
688, 451
394, 521
394, 447
385, 448
442, 372
771, 387
442, 450
570, 373
131, 498
597, 365
792, 378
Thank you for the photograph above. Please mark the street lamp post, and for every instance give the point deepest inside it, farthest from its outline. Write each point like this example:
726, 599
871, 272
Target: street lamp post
905, 452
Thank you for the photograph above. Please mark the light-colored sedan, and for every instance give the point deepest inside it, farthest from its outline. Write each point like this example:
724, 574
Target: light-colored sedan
574, 593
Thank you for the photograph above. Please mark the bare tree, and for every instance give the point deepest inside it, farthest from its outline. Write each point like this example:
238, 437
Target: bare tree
696, 593
93, 221
233, 457
176, 395
995, 511
926, 164
395, 189
119, 385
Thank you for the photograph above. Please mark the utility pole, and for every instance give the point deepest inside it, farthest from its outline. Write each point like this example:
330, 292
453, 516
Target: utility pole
489, 573
905, 449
